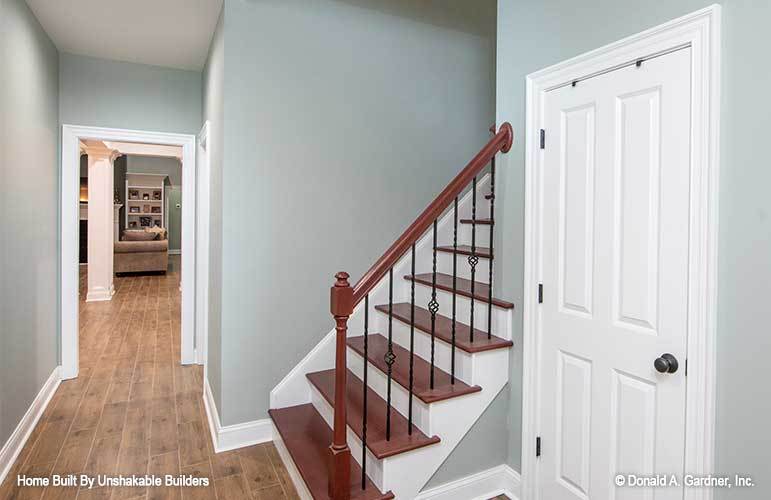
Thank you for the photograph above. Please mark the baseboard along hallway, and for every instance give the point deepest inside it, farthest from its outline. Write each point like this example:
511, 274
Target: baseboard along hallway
134, 409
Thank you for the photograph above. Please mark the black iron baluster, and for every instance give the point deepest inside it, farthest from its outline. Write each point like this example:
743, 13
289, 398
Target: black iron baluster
454, 283
473, 259
364, 418
490, 261
389, 357
412, 341
433, 308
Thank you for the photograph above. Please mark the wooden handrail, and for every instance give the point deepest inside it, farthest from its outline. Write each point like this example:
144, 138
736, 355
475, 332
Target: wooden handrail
500, 142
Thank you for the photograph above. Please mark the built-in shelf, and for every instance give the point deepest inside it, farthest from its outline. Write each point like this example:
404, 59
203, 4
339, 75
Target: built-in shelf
156, 187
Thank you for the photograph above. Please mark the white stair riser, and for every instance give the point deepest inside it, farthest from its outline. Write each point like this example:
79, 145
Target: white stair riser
442, 350
399, 396
464, 236
444, 265
374, 465
500, 316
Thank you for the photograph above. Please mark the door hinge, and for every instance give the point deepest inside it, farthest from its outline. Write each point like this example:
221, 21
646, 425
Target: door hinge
540, 293
543, 139
538, 446
686, 367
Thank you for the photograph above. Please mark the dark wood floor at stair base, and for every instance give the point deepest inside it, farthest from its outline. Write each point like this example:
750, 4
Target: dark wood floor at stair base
481, 252
480, 222
443, 329
462, 287
400, 441
378, 346
307, 437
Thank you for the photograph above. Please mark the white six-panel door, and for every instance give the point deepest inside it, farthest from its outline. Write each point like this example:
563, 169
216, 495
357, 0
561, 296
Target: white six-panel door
615, 274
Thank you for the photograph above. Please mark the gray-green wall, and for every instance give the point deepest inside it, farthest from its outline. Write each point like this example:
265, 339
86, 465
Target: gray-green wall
338, 132
137, 164
101, 93
213, 105
29, 196
533, 34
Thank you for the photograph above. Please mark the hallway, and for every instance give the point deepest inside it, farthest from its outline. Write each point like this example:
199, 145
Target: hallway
135, 410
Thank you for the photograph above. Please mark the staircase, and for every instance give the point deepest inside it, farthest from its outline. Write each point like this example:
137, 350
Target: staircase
420, 349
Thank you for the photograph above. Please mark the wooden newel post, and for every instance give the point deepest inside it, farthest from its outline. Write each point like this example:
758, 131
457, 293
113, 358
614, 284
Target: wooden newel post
341, 305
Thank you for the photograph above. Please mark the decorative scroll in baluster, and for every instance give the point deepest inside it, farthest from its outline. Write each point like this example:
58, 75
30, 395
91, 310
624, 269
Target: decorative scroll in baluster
454, 286
490, 261
389, 357
364, 409
473, 260
412, 341
433, 308
341, 306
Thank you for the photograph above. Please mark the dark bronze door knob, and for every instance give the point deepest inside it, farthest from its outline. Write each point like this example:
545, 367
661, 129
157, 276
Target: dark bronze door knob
667, 363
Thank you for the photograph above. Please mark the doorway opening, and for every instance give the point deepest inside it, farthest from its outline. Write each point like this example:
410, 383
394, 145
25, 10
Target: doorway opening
137, 205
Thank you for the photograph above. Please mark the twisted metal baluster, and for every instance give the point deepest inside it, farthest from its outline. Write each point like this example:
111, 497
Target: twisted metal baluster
412, 340
433, 307
364, 418
389, 357
490, 262
454, 286
473, 259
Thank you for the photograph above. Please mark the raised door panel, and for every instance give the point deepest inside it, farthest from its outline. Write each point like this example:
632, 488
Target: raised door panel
637, 189
577, 209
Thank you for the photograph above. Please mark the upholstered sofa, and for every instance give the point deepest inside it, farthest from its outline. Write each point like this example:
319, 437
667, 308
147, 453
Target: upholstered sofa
136, 253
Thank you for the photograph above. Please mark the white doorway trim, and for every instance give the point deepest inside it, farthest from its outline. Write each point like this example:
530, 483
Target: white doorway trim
70, 185
700, 31
202, 246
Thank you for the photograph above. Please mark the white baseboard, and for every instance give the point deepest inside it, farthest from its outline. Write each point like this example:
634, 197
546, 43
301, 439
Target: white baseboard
500, 480
18, 438
100, 294
230, 437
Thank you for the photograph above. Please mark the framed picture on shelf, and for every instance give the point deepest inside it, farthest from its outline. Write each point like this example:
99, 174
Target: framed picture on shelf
155, 210
157, 223
133, 194
157, 195
145, 196
146, 209
145, 221
132, 224
133, 210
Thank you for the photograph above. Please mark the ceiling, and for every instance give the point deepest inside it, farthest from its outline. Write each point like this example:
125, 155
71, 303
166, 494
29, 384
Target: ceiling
171, 33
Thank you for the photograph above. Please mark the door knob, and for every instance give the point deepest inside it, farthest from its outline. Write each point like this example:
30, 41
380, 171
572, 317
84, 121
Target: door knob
667, 363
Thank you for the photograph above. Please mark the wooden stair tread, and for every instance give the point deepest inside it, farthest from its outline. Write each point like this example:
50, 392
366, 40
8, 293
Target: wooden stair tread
485, 222
481, 252
400, 441
462, 287
307, 437
443, 329
378, 347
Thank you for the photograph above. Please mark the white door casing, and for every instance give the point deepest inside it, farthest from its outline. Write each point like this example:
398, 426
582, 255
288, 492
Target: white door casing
700, 32
615, 267
202, 245
69, 210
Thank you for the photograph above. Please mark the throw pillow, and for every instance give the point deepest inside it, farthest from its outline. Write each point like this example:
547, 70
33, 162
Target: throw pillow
138, 236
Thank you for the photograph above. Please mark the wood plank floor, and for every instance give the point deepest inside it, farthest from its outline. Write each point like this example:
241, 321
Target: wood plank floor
135, 410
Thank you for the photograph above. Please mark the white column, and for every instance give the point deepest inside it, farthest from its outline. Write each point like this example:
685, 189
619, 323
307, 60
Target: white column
100, 223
